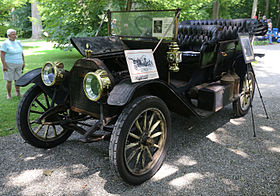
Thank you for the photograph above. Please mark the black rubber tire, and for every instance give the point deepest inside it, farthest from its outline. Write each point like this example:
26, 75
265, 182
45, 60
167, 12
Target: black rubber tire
237, 105
120, 134
24, 124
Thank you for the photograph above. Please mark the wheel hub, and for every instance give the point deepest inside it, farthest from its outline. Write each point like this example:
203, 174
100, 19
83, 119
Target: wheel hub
146, 140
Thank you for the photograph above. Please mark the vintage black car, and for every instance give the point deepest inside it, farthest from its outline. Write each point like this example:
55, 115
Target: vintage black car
127, 83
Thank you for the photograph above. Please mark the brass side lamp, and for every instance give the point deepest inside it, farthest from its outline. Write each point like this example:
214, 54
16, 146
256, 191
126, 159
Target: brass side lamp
52, 73
174, 57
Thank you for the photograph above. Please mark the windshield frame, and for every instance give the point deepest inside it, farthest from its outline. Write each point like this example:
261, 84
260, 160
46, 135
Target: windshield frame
176, 22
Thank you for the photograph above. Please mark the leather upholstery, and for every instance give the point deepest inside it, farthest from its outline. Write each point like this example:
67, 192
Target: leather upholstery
202, 40
230, 28
197, 37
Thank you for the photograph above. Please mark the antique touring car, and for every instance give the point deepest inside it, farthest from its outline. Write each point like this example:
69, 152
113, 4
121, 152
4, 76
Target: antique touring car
127, 83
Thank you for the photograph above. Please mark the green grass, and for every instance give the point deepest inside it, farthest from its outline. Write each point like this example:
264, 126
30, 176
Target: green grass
257, 43
36, 53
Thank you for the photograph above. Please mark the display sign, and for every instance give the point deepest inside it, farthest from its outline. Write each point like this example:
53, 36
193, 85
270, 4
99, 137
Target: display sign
247, 48
160, 26
141, 65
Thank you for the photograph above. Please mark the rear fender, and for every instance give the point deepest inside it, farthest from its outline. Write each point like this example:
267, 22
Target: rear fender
126, 91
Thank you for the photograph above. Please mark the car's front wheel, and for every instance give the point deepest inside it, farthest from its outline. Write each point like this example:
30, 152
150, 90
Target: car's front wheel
44, 133
140, 139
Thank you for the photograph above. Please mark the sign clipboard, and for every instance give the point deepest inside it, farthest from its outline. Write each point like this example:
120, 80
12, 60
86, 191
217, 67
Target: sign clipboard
247, 48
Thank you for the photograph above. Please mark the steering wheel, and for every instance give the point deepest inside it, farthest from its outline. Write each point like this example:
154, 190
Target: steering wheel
143, 24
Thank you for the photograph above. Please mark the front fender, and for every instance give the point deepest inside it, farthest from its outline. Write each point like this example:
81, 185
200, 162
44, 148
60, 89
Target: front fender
125, 91
61, 91
29, 77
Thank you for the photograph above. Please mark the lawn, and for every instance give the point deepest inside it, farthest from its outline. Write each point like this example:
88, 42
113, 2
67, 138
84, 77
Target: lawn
36, 53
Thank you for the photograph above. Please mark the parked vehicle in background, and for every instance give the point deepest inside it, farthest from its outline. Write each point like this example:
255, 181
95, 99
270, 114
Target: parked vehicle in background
128, 82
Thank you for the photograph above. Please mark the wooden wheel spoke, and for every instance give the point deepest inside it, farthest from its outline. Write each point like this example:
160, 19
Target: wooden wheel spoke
47, 100
156, 146
154, 127
131, 145
134, 136
54, 131
143, 159
36, 112
145, 122
38, 128
151, 120
149, 153
46, 131
40, 104
32, 122
133, 153
138, 158
138, 126
156, 134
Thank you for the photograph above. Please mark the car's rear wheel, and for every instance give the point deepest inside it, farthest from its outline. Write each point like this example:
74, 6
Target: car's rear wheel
44, 133
247, 89
140, 139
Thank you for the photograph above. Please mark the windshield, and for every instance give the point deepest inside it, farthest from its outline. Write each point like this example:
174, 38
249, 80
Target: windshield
143, 23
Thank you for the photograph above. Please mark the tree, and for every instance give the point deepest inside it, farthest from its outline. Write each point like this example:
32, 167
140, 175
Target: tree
36, 21
266, 7
65, 19
20, 20
278, 19
5, 10
216, 9
254, 9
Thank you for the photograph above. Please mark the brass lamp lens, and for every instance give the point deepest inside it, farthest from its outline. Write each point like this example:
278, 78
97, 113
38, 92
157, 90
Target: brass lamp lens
92, 86
48, 74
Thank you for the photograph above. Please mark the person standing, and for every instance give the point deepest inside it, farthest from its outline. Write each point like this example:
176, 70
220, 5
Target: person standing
12, 60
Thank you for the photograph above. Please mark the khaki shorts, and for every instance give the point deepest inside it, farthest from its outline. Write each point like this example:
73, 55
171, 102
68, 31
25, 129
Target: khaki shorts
14, 72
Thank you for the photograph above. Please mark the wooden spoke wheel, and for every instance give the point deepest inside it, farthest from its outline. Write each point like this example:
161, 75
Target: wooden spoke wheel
140, 139
42, 133
247, 89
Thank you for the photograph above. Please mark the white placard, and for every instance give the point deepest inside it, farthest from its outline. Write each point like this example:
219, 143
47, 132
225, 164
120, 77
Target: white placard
247, 48
160, 26
141, 65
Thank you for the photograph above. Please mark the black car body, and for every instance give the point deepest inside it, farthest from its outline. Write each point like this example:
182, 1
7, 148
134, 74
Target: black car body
128, 82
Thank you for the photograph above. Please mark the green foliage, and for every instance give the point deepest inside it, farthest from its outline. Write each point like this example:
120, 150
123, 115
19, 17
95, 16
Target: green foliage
240, 9
21, 21
65, 19
6, 7
3, 31
195, 9
81, 18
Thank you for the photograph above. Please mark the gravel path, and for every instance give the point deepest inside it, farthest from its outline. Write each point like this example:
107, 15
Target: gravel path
216, 156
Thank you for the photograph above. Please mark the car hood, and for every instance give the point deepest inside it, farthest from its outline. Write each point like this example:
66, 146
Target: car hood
99, 45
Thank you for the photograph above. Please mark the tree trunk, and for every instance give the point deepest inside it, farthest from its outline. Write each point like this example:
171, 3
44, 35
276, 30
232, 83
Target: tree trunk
36, 21
216, 9
254, 9
129, 5
278, 21
267, 8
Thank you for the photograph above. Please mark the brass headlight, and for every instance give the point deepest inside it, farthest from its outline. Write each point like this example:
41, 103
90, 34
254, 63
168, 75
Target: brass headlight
52, 73
95, 83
